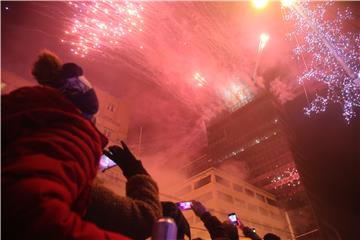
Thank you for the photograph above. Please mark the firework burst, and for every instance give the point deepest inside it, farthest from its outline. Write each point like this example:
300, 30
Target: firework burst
100, 24
330, 54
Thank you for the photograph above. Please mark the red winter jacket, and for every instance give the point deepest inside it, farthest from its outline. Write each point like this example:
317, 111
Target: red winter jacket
49, 158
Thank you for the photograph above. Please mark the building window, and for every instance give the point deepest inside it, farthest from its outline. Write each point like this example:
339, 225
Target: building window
202, 182
249, 192
222, 181
205, 197
110, 107
184, 190
226, 197
260, 197
271, 202
237, 187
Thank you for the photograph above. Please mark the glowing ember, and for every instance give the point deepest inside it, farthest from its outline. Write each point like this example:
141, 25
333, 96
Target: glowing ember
290, 178
199, 79
264, 38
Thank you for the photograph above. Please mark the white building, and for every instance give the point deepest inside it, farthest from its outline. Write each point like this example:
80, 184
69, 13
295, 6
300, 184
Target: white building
222, 194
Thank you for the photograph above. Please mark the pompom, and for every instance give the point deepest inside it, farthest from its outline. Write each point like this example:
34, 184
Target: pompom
47, 68
70, 70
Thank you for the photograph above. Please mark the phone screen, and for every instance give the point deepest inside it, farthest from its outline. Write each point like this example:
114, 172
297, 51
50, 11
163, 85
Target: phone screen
184, 205
105, 163
233, 218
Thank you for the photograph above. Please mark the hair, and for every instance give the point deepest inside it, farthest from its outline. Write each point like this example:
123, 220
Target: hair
171, 210
231, 230
47, 68
271, 236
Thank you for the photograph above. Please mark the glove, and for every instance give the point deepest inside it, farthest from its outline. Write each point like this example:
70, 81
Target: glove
127, 162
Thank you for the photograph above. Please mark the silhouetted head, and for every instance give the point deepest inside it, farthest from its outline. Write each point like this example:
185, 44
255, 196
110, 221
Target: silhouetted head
171, 210
271, 236
47, 68
231, 230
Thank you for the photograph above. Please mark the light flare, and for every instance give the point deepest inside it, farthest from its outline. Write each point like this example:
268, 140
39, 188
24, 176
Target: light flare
287, 3
264, 38
260, 4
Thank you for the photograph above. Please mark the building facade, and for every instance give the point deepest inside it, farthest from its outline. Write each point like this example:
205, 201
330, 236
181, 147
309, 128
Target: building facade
253, 138
222, 193
253, 142
113, 117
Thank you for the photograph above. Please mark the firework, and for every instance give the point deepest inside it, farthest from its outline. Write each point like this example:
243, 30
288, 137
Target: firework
200, 80
287, 3
264, 38
330, 55
289, 177
99, 24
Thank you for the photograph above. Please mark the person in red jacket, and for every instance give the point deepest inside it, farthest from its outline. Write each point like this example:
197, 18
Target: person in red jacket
50, 154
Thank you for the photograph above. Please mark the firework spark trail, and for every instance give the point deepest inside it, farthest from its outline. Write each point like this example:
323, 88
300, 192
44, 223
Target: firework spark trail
98, 24
264, 38
186, 50
334, 56
286, 178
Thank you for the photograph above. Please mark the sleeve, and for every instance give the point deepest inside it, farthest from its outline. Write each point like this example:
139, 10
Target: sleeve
249, 233
134, 215
39, 193
214, 226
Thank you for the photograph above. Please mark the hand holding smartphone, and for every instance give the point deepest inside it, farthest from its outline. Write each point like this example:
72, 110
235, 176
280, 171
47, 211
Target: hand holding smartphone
184, 205
233, 218
106, 163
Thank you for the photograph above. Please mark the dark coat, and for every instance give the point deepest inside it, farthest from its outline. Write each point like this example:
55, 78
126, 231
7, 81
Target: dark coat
133, 215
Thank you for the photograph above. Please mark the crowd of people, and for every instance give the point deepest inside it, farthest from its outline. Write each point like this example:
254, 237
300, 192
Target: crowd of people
50, 156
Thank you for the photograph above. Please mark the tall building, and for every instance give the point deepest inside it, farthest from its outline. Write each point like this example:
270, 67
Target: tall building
253, 142
253, 139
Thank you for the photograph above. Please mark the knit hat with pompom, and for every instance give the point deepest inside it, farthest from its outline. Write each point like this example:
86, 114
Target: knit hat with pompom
68, 79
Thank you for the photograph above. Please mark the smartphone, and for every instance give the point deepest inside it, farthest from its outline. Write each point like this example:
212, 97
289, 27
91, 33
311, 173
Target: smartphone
106, 163
233, 218
184, 205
